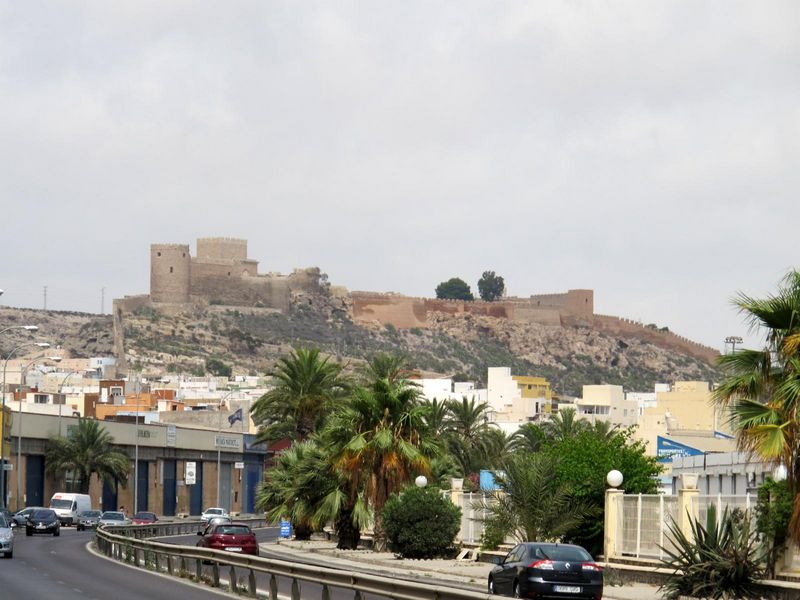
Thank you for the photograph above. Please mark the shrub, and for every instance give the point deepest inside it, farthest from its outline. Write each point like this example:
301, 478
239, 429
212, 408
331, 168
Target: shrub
494, 534
719, 561
420, 523
773, 511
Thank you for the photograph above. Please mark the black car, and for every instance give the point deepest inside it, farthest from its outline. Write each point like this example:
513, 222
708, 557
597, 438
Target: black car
43, 520
541, 570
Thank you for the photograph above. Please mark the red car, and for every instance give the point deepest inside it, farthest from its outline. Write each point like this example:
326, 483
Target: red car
231, 537
144, 518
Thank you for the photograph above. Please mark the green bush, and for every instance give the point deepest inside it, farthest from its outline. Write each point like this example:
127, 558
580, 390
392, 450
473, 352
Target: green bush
773, 511
494, 534
420, 523
719, 561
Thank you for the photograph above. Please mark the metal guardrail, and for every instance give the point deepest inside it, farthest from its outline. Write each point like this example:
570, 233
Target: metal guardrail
130, 545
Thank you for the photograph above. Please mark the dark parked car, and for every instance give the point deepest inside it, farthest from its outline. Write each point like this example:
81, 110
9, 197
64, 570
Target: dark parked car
88, 519
540, 570
232, 537
144, 518
43, 520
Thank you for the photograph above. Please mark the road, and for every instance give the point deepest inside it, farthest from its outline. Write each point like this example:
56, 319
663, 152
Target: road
307, 589
61, 567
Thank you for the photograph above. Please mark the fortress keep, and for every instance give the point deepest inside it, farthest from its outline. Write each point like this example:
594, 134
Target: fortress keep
221, 273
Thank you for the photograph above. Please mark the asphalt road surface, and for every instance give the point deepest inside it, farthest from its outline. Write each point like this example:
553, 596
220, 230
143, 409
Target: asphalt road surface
269, 534
62, 569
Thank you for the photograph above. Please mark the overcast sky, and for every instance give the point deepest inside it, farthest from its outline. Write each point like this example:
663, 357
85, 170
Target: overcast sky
646, 150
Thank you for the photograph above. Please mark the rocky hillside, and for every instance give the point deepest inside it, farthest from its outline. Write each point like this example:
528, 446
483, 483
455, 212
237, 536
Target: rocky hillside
250, 340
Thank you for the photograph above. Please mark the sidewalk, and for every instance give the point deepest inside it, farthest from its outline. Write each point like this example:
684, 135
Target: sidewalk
465, 574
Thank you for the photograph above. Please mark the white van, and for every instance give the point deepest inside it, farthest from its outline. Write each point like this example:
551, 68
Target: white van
69, 506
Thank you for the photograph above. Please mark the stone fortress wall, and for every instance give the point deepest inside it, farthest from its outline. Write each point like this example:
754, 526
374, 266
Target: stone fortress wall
406, 311
575, 308
222, 274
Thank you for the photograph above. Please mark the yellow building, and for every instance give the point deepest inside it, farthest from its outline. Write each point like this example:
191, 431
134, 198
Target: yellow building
517, 399
687, 409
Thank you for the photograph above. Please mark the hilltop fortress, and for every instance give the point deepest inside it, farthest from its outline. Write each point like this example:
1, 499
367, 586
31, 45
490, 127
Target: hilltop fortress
222, 274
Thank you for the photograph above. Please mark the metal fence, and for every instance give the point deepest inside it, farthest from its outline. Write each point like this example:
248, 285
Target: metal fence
744, 503
643, 520
642, 524
127, 544
472, 515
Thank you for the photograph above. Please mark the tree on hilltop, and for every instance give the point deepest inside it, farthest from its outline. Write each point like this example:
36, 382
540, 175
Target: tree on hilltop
454, 289
491, 286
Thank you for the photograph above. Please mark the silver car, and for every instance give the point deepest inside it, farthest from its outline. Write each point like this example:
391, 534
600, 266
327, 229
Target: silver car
114, 517
6, 537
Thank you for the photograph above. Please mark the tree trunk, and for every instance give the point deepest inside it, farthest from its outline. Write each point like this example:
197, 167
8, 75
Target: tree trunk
379, 534
301, 531
349, 534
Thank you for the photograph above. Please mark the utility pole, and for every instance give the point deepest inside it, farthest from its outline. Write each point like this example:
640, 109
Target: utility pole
102, 300
45, 297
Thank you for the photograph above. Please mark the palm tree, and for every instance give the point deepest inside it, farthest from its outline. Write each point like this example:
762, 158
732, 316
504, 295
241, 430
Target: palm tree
467, 428
761, 388
88, 449
498, 445
305, 387
304, 486
530, 502
564, 424
605, 429
530, 437
435, 416
378, 439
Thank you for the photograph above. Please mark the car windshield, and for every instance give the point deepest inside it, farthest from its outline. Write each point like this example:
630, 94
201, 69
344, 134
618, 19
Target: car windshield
562, 553
42, 514
144, 515
214, 511
61, 504
3, 522
232, 530
113, 516
90, 513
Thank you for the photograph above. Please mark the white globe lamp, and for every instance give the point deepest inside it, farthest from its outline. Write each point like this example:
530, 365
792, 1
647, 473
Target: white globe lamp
614, 478
421, 481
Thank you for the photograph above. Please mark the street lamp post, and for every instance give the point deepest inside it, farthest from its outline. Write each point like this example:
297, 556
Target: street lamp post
136, 452
25, 327
219, 448
3, 412
23, 375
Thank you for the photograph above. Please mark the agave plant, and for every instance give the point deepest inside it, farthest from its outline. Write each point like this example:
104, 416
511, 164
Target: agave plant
721, 560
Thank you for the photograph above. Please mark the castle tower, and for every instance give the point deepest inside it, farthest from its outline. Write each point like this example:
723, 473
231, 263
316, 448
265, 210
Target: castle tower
222, 248
170, 273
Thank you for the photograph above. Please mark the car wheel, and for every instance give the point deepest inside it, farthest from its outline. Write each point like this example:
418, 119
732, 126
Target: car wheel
57, 533
28, 532
491, 586
516, 589
10, 554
